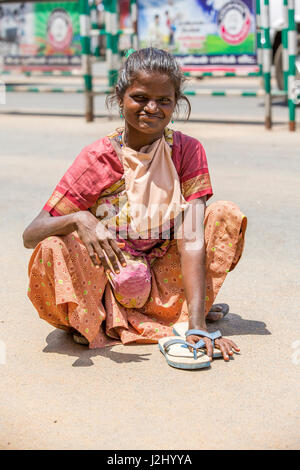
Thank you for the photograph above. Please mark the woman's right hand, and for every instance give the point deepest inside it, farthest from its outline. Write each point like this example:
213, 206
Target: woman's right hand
99, 241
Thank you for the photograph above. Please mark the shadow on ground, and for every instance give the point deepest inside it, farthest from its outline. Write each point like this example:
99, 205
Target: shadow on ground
233, 325
60, 342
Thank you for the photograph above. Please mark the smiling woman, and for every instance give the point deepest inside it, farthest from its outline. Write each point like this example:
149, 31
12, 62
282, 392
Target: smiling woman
148, 104
149, 91
125, 248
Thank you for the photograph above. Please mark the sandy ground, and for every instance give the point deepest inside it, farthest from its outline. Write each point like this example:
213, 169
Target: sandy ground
55, 394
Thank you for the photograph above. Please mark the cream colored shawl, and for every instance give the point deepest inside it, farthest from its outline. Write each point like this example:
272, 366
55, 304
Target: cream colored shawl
152, 186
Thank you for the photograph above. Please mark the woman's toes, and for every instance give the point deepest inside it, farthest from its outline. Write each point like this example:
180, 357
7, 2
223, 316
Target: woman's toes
217, 312
214, 316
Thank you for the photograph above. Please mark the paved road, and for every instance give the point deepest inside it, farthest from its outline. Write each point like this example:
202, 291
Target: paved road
204, 108
56, 394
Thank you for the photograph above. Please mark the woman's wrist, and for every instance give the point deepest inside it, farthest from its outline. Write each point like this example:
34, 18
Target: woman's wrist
75, 219
62, 225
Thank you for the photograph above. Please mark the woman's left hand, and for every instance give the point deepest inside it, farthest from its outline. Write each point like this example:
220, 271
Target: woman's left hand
225, 345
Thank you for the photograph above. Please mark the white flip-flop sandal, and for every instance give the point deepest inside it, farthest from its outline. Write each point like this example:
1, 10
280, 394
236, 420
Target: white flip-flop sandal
182, 329
177, 354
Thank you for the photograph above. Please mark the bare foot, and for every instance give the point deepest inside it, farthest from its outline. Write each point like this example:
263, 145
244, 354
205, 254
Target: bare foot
78, 337
217, 312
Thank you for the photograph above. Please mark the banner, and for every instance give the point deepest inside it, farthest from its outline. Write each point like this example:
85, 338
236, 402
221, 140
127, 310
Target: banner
124, 24
202, 34
40, 36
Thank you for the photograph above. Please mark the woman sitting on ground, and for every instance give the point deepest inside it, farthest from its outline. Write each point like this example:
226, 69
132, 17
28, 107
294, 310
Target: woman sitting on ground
98, 270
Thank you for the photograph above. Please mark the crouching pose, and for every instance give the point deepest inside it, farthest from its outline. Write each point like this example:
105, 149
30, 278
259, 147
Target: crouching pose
109, 273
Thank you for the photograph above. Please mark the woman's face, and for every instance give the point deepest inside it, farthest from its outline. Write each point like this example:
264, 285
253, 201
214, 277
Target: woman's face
149, 102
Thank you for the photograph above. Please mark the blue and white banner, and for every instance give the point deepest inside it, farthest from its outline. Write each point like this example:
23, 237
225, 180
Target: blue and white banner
203, 34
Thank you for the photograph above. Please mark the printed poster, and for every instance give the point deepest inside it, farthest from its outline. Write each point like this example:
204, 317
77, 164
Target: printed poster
124, 23
41, 36
202, 34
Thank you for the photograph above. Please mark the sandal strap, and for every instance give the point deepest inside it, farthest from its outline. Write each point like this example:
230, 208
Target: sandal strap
169, 343
215, 335
184, 344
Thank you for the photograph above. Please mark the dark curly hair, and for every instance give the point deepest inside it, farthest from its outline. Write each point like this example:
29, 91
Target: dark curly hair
150, 60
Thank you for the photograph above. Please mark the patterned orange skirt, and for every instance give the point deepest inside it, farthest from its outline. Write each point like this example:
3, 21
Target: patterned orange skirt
70, 293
